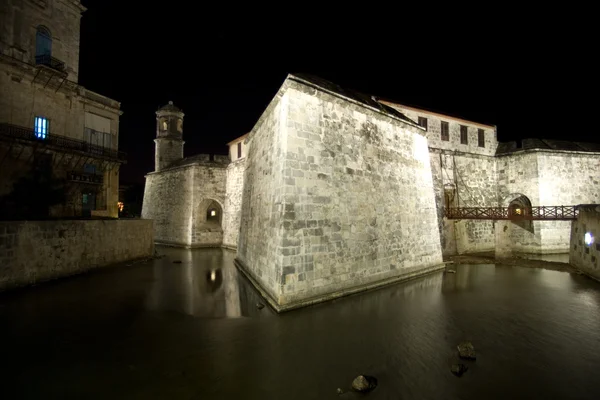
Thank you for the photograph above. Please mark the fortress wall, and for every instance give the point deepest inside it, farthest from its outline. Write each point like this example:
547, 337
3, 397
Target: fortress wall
356, 207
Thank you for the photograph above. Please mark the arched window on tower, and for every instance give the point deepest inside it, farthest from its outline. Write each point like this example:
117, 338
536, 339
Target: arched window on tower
43, 45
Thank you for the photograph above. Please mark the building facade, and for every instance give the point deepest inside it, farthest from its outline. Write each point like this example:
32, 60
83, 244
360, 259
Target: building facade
53, 130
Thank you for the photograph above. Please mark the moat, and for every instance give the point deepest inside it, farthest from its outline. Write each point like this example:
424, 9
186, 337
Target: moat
187, 326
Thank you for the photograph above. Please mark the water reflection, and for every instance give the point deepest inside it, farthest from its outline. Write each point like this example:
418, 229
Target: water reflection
200, 283
561, 257
465, 277
173, 330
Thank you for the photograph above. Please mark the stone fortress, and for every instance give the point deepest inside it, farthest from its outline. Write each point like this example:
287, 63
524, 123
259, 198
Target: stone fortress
334, 192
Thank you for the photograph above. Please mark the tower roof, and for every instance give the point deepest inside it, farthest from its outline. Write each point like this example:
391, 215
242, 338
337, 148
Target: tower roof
170, 107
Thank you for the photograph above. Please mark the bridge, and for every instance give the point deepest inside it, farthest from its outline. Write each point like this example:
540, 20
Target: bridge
543, 213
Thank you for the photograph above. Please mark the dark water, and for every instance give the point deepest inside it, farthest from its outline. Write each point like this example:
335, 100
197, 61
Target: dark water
179, 331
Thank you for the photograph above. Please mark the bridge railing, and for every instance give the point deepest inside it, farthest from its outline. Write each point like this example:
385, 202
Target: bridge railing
514, 213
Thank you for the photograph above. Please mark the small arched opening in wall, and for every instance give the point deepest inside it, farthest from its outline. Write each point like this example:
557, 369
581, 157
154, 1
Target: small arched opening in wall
208, 231
214, 213
519, 210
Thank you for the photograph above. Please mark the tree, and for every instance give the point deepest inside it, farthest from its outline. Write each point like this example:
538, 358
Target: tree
33, 195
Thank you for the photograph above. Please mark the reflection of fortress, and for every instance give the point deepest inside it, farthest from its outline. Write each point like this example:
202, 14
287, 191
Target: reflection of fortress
336, 191
205, 284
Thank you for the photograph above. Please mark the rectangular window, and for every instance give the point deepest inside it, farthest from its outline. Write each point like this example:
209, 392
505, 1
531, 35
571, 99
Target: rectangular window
423, 122
464, 135
481, 137
97, 131
40, 127
239, 150
445, 131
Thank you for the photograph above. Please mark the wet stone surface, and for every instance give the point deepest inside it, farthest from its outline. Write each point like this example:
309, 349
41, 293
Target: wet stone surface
193, 331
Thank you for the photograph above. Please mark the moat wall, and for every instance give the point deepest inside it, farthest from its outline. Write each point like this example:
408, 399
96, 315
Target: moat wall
586, 257
337, 197
36, 251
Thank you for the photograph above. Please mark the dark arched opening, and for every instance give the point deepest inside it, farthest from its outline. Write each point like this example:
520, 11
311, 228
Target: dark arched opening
519, 211
214, 213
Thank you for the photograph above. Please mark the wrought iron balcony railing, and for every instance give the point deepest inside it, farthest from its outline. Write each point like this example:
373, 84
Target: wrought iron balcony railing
49, 61
533, 213
86, 178
61, 143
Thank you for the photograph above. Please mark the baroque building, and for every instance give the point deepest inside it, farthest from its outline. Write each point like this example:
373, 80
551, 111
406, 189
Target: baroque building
53, 131
334, 191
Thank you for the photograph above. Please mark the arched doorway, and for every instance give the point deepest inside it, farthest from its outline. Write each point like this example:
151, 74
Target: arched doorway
519, 211
517, 234
207, 230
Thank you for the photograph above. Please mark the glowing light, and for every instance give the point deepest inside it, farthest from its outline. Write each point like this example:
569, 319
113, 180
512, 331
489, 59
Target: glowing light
213, 213
120, 205
213, 276
420, 149
588, 238
518, 211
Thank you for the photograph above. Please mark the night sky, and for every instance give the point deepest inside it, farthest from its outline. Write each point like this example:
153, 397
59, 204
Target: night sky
223, 70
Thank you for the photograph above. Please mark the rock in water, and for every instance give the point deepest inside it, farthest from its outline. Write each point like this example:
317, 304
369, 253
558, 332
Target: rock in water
177, 262
340, 391
466, 350
364, 383
259, 306
458, 369
450, 271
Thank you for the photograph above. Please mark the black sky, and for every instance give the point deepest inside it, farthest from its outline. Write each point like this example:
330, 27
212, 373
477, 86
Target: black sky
526, 72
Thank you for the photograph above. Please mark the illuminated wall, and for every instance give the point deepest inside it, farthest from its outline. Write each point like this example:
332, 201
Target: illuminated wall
464, 168
548, 178
585, 241
337, 196
566, 178
178, 198
233, 201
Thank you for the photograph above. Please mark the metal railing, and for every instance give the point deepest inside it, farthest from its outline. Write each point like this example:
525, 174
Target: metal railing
49, 61
86, 178
61, 142
529, 213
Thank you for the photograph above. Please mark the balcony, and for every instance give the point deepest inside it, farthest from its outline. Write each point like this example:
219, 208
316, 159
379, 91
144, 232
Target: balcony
10, 132
50, 62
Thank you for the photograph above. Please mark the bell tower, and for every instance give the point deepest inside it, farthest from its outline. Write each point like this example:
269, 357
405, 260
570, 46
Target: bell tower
169, 136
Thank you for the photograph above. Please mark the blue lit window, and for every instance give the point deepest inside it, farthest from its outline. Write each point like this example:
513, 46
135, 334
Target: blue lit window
41, 127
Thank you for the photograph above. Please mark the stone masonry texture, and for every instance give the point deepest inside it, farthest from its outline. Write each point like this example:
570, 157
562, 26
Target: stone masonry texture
467, 170
336, 196
37, 251
177, 199
581, 255
550, 179
330, 195
233, 202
